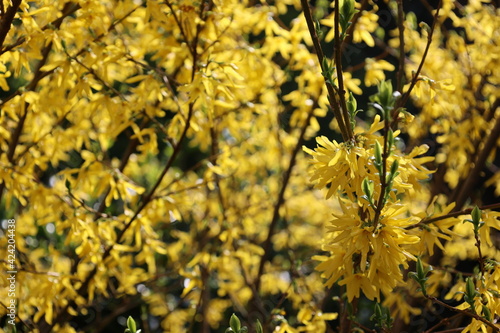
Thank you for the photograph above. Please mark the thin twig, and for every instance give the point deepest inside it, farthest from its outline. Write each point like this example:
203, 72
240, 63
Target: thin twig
362, 65
181, 28
401, 30
332, 98
452, 214
383, 177
481, 259
467, 313
404, 99
131, 147
267, 245
470, 182
338, 66
444, 321
345, 320
7, 19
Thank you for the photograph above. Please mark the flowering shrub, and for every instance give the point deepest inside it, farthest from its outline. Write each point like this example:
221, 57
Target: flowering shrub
159, 161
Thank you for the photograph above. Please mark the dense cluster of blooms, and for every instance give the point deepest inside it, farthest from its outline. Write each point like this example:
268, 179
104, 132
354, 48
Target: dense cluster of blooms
151, 154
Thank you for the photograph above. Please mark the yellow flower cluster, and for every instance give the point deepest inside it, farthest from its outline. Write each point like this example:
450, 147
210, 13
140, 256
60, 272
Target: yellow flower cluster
367, 244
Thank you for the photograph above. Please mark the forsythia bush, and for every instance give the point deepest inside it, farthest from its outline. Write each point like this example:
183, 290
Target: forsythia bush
159, 160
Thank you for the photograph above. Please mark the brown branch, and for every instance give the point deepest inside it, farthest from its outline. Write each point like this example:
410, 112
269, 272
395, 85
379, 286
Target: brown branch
453, 330
97, 77
332, 98
473, 176
404, 99
480, 254
267, 245
401, 30
131, 147
361, 65
383, 177
125, 306
444, 321
28, 325
345, 321
340, 77
179, 24
466, 189
7, 19
452, 214
466, 313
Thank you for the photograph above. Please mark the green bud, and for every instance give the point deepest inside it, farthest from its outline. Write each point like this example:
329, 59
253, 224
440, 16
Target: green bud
476, 215
487, 313
234, 323
380, 33
325, 64
67, 183
470, 288
368, 186
470, 293
394, 169
390, 139
258, 327
131, 326
378, 310
352, 104
411, 19
425, 27
318, 28
420, 276
378, 156
347, 10
420, 269
385, 90
346, 14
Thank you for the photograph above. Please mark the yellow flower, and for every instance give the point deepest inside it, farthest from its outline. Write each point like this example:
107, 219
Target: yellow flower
357, 282
375, 71
367, 23
426, 88
337, 165
374, 256
343, 166
399, 305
